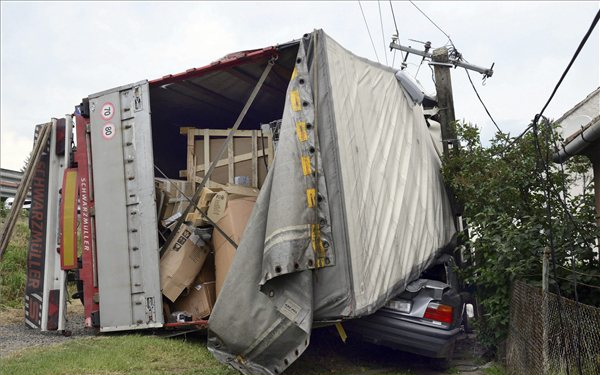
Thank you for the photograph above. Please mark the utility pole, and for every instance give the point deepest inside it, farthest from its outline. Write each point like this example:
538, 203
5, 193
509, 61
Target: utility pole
442, 63
443, 87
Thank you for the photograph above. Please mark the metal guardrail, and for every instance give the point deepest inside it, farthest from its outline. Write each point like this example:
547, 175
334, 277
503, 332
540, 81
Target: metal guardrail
9, 183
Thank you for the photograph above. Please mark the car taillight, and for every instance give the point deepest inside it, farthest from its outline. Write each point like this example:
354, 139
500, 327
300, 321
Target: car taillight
439, 312
400, 305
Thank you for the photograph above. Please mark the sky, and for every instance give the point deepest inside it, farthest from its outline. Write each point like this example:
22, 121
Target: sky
54, 54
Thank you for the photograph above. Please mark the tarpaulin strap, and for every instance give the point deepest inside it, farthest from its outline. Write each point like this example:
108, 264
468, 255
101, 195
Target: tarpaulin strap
301, 131
213, 165
295, 100
311, 198
306, 168
318, 247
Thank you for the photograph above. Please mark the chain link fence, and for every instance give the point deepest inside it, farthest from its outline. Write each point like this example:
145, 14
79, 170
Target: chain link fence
549, 335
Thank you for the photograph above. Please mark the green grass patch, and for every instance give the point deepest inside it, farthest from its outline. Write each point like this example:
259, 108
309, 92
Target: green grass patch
13, 266
145, 354
123, 354
496, 369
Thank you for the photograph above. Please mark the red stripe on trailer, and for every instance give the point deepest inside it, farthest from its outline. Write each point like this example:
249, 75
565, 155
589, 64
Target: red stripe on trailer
88, 249
229, 61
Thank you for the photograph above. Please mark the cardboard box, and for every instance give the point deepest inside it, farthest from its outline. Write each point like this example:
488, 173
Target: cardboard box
233, 222
194, 217
182, 261
199, 302
199, 299
173, 196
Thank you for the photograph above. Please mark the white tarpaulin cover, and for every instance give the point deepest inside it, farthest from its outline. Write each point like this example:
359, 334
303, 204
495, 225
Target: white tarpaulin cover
354, 207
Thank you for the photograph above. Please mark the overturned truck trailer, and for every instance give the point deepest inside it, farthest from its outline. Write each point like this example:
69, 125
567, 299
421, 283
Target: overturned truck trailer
351, 208
354, 208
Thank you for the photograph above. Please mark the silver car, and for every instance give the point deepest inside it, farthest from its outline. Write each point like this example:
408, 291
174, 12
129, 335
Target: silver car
425, 319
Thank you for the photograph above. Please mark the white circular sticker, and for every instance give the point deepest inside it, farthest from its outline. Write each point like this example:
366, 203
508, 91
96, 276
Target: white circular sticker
108, 131
107, 111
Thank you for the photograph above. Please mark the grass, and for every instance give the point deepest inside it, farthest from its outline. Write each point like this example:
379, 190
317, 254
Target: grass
144, 354
13, 265
495, 370
123, 354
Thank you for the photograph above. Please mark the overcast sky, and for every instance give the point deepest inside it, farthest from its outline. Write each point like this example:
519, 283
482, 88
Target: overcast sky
54, 54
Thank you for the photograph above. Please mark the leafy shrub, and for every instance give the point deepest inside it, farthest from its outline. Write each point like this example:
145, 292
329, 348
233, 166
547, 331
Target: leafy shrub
504, 190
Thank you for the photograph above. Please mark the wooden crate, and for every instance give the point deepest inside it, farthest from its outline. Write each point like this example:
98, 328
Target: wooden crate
244, 157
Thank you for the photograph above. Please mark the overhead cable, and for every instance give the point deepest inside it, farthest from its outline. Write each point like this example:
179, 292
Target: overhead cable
397, 33
382, 33
562, 77
481, 101
433, 23
368, 31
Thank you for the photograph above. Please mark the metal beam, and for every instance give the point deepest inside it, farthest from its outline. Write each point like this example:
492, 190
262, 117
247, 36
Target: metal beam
252, 80
488, 72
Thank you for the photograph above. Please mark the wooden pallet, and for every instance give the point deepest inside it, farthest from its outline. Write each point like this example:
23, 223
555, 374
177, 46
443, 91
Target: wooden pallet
200, 142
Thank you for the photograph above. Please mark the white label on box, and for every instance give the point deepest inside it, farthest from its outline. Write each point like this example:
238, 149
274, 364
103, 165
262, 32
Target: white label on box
291, 310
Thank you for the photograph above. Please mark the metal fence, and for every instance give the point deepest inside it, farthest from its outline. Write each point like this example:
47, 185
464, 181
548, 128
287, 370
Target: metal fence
551, 335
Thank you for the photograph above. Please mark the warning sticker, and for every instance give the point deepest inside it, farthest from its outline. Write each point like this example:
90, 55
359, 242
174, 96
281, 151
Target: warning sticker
290, 309
108, 131
107, 111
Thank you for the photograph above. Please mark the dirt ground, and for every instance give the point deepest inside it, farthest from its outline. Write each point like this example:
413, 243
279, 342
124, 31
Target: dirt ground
327, 351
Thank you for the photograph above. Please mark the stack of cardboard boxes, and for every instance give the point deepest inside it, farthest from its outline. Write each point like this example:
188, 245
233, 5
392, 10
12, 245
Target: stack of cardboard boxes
195, 264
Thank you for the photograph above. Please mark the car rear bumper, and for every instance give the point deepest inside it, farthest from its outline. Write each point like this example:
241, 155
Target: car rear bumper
394, 330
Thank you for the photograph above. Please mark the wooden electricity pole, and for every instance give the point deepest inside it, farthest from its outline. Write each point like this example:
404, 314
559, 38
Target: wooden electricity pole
443, 86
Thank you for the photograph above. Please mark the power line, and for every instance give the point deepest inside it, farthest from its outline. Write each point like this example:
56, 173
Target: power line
578, 272
481, 101
368, 31
579, 48
394, 18
562, 77
580, 283
397, 35
434, 24
382, 33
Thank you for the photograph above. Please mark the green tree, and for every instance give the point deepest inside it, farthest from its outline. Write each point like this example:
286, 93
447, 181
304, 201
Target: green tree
514, 209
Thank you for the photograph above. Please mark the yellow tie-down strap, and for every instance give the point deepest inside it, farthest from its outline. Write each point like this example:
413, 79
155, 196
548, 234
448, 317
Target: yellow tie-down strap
306, 168
311, 198
301, 131
295, 100
317, 244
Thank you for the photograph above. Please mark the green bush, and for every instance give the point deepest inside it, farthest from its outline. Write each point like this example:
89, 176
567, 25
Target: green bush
13, 266
504, 192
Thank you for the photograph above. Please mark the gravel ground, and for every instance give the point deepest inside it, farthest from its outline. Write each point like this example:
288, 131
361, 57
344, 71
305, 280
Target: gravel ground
15, 335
